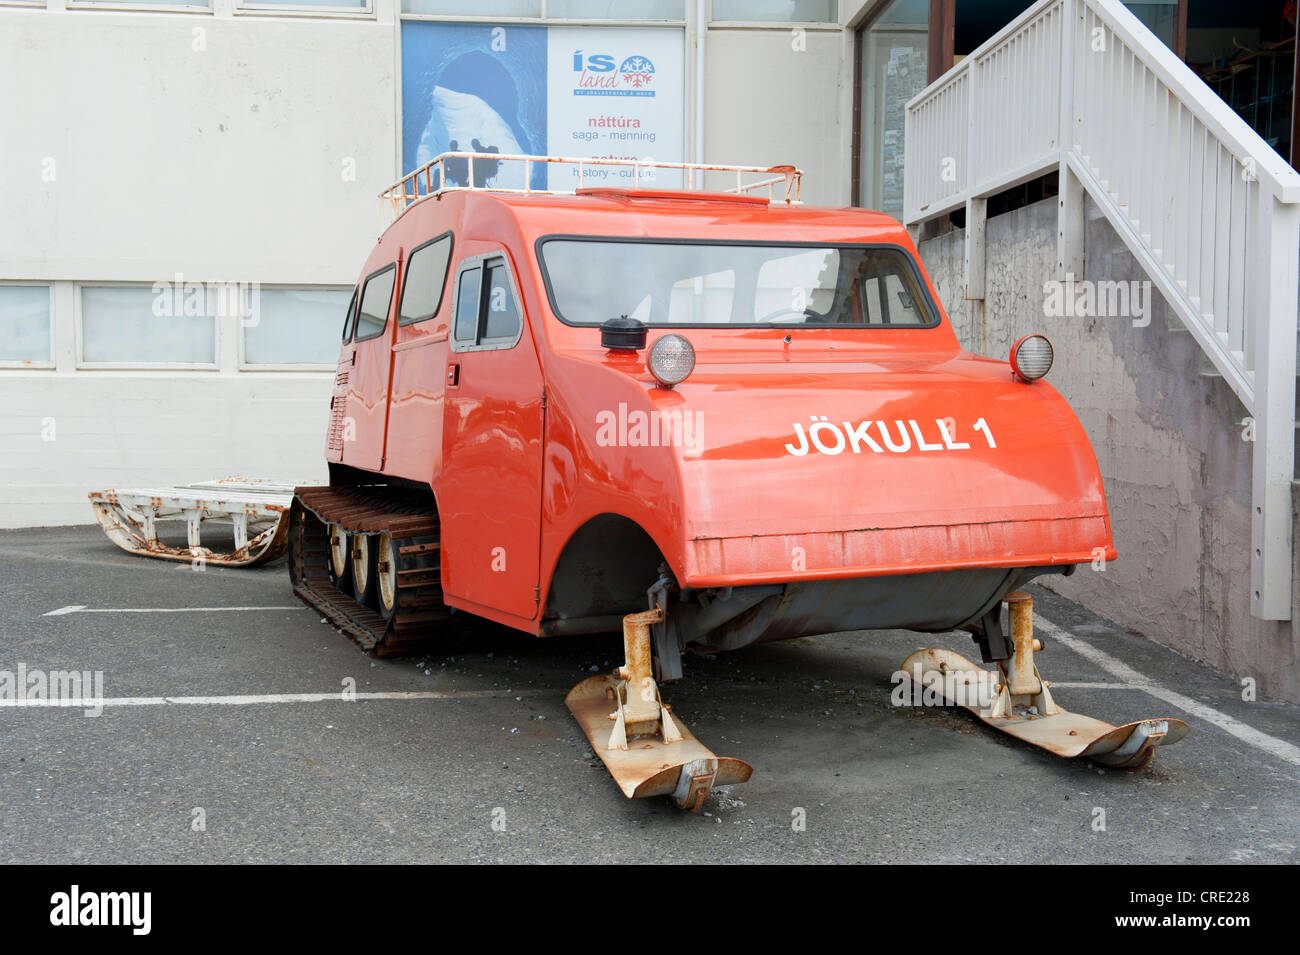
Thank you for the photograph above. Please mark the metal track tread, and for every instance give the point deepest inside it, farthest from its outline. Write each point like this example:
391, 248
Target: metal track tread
422, 621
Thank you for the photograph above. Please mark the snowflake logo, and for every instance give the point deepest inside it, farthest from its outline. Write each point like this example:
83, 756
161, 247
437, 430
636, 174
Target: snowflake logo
637, 71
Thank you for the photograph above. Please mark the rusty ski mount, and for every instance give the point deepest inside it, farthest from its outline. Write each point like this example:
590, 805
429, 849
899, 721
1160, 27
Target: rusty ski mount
1019, 702
645, 748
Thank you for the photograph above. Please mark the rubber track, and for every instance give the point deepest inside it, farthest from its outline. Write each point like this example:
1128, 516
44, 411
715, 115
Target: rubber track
422, 621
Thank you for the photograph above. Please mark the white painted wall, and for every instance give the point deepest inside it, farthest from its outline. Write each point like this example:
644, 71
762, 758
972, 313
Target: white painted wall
220, 147
777, 96
252, 148
225, 164
106, 429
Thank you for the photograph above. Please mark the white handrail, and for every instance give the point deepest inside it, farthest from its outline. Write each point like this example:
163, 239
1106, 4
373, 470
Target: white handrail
1210, 211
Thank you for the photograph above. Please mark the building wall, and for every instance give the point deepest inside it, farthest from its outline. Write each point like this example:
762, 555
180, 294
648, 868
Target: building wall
251, 148
70, 434
226, 162
776, 96
1169, 440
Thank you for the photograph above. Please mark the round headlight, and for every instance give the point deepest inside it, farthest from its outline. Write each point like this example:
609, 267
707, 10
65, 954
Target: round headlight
672, 359
1031, 357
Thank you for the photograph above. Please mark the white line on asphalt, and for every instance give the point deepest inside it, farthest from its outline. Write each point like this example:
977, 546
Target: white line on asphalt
1122, 671
82, 608
1057, 685
250, 700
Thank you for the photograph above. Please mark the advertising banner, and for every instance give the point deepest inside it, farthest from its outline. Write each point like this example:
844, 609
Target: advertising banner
584, 92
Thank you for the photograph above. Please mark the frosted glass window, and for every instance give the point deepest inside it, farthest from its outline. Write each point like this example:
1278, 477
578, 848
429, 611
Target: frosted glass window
205, 4
294, 326
135, 325
25, 323
325, 4
777, 11
482, 8
616, 9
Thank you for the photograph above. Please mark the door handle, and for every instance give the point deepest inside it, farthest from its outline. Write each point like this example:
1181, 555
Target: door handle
453, 374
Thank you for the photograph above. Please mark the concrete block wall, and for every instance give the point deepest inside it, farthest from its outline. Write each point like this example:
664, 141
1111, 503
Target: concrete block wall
1169, 440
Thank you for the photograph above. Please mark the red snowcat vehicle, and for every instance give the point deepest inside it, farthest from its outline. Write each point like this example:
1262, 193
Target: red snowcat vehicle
708, 417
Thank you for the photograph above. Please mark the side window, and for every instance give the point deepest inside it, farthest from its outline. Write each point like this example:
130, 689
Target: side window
487, 312
352, 313
375, 302
467, 305
426, 276
501, 319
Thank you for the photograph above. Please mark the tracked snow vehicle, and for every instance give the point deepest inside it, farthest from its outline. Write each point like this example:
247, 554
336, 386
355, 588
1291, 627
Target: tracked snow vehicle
709, 417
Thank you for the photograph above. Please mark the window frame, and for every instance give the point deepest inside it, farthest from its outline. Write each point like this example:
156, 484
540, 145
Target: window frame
750, 23
929, 302
294, 366
482, 261
144, 6
544, 18
44, 364
442, 289
365, 12
392, 293
350, 319
83, 364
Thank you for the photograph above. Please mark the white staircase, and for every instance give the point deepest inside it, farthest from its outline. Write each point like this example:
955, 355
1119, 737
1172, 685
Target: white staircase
1210, 211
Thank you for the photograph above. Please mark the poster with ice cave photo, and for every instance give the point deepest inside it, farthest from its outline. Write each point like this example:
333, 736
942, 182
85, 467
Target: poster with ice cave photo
561, 91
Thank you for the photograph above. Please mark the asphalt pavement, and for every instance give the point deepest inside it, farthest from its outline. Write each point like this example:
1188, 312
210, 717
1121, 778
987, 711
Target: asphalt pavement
272, 764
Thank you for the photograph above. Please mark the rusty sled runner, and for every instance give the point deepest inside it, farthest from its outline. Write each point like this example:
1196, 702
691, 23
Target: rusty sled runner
1018, 701
254, 509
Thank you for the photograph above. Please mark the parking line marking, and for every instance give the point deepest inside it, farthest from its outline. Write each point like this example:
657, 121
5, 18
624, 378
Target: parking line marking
254, 699
1122, 671
82, 608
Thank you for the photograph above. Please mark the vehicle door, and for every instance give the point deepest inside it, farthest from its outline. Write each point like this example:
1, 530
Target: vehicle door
366, 419
490, 489
413, 448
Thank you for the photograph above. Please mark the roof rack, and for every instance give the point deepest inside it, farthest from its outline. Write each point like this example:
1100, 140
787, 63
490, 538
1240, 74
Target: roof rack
471, 171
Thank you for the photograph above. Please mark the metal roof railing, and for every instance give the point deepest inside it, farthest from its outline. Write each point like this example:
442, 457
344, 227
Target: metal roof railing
475, 171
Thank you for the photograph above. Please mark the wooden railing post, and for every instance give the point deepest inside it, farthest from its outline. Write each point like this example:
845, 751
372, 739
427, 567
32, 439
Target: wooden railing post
1276, 276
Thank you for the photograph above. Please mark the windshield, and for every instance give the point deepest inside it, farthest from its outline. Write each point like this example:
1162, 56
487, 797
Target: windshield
666, 283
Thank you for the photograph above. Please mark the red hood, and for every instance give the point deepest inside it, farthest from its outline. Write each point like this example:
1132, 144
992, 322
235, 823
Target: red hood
848, 468
897, 445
